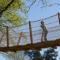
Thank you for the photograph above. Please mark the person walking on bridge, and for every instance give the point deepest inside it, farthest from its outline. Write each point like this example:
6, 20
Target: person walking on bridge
44, 32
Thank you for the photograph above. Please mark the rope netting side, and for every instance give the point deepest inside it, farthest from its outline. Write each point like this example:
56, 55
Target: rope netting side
52, 24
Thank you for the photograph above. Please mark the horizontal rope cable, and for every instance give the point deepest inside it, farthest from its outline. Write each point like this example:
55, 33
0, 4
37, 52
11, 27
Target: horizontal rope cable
46, 18
50, 5
46, 24
41, 32
31, 22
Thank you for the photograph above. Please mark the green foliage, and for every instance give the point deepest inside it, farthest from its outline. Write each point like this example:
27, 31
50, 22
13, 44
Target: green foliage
10, 12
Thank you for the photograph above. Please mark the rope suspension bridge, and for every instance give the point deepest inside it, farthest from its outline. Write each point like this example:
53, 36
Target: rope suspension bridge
32, 35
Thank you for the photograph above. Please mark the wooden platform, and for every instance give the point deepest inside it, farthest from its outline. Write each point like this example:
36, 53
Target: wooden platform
35, 46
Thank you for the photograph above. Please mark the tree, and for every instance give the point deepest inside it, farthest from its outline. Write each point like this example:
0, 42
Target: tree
50, 54
37, 56
34, 55
9, 9
9, 14
13, 13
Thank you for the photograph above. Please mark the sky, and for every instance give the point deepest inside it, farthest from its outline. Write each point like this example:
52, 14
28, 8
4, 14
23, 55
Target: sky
37, 12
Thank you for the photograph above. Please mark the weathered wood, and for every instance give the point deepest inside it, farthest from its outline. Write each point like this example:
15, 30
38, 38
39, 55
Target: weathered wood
7, 36
30, 29
35, 46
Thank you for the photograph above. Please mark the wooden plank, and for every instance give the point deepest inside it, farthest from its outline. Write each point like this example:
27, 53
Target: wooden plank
7, 36
30, 30
35, 46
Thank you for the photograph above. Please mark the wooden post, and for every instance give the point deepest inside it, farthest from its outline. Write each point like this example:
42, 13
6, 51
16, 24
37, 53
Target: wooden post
30, 29
59, 17
7, 36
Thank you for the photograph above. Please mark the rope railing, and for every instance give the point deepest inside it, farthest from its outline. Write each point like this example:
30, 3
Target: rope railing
31, 22
46, 24
55, 36
48, 32
40, 28
36, 34
54, 30
35, 30
45, 18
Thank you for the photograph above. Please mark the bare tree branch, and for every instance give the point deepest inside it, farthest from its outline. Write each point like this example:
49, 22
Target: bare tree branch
31, 4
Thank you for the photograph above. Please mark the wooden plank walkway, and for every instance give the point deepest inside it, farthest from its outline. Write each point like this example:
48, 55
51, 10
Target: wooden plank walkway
35, 46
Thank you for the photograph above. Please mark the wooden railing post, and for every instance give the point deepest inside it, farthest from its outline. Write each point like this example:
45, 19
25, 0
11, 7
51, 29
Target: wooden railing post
59, 17
30, 29
7, 36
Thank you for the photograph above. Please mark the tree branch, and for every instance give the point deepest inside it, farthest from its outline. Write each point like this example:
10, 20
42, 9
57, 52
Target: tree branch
1, 12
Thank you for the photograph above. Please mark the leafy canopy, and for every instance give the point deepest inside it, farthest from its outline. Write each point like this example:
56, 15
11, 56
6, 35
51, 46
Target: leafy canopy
9, 9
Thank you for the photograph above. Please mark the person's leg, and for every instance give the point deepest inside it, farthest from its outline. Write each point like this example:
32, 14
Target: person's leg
45, 36
42, 36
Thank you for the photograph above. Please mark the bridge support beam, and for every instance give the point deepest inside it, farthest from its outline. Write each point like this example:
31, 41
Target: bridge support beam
35, 46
